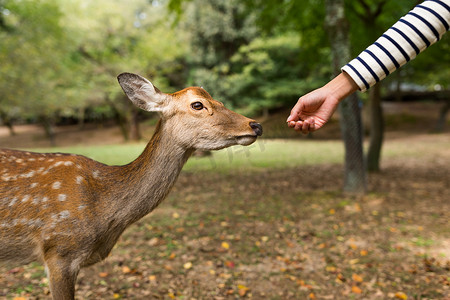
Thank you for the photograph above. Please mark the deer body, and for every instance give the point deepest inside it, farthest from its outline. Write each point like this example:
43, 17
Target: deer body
68, 211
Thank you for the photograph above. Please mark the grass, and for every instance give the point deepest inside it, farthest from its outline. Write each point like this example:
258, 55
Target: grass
260, 155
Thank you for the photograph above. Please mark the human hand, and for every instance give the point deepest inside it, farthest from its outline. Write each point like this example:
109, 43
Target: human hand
314, 109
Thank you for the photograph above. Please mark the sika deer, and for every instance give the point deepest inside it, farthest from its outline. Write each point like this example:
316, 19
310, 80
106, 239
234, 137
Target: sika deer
68, 211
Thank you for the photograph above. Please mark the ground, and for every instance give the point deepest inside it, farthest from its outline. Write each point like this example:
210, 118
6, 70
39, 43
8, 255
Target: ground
283, 233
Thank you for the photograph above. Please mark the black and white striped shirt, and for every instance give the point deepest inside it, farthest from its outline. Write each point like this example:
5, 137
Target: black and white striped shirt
416, 31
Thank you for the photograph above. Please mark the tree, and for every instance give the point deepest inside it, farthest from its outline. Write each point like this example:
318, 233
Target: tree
371, 18
269, 73
337, 28
59, 58
126, 36
34, 69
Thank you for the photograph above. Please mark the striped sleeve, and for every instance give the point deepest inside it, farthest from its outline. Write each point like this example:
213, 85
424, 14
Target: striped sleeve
413, 33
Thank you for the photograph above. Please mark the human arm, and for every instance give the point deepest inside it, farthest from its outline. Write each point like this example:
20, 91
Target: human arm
420, 28
314, 109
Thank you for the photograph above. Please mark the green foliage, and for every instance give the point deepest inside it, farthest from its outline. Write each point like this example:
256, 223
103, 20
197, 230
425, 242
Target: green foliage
33, 54
270, 73
217, 29
59, 57
241, 66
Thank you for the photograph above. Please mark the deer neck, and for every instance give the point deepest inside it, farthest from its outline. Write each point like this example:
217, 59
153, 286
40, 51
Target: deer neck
145, 182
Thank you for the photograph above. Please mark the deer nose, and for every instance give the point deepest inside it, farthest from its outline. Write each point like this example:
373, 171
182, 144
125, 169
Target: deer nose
257, 128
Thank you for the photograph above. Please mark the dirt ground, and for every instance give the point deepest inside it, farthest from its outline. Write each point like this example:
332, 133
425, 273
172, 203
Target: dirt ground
282, 234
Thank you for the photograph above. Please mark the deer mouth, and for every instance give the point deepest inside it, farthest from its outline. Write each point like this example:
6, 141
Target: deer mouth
246, 140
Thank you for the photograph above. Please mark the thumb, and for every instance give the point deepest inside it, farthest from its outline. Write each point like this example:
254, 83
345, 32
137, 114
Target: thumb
296, 111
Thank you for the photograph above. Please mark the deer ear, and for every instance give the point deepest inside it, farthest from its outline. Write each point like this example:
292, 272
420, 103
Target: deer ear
142, 92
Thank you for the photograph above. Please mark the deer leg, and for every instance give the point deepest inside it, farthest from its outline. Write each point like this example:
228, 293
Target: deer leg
62, 277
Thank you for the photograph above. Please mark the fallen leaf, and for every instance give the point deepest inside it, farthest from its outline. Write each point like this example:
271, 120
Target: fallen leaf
103, 274
357, 278
330, 269
225, 245
312, 296
356, 290
175, 215
321, 246
242, 290
126, 270
187, 265
363, 252
152, 278
19, 298
401, 295
332, 211
116, 296
229, 264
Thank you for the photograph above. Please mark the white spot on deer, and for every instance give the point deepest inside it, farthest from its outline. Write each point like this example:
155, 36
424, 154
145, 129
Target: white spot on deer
45, 199
41, 159
19, 161
32, 159
41, 169
59, 217
57, 164
35, 200
96, 173
68, 163
51, 160
26, 198
56, 185
35, 223
79, 179
28, 175
64, 214
81, 207
33, 185
13, 201
62, 197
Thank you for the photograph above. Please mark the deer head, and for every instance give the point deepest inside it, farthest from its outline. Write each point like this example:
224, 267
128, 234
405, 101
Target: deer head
195, 119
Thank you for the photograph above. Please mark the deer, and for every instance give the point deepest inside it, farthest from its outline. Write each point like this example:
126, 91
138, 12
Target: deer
67, 211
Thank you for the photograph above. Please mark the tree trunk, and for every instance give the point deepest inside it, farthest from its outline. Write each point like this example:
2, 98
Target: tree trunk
135, 132
376, 129
7, 121
440, 125
119, 117
49, 127
81, 118
351, 125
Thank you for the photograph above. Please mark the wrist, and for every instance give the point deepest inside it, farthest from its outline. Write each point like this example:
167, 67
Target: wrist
342, 86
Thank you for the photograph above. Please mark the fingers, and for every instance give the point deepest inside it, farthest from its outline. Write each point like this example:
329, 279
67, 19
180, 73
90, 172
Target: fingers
295, 112
304, 126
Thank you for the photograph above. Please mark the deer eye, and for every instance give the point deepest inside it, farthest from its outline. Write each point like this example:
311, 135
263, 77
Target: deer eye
197, 105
